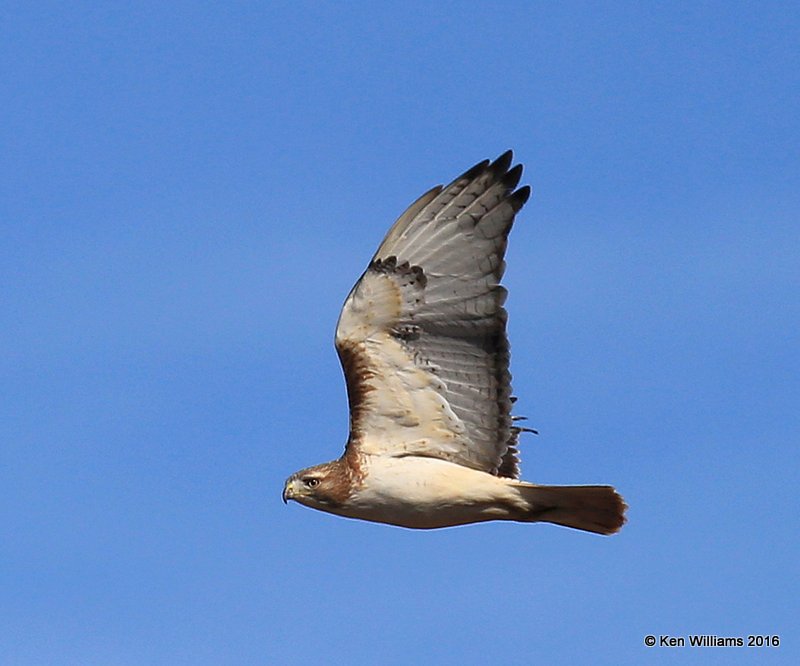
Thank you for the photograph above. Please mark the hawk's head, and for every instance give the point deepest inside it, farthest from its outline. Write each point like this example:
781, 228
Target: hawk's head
325, 486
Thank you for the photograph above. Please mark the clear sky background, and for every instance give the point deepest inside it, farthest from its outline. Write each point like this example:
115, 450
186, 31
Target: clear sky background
189, 190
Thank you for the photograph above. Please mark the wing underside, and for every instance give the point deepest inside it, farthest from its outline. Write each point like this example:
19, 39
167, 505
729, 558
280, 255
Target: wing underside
422, 335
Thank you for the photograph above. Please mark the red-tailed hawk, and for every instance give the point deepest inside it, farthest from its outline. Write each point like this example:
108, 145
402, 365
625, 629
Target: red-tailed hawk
422, 340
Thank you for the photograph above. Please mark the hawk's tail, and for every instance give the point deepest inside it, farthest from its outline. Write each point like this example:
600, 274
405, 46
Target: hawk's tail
597, 509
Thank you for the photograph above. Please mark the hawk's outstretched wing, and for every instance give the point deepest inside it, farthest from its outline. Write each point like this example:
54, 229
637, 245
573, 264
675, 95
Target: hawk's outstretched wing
422, 335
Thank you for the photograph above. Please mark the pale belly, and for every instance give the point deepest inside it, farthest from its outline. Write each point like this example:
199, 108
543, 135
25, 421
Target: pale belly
427, 493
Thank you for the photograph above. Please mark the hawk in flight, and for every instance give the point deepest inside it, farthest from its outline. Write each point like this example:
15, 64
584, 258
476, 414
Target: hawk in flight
422, 340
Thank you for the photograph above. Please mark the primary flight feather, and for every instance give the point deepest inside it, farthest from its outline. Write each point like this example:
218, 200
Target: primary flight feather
422, 341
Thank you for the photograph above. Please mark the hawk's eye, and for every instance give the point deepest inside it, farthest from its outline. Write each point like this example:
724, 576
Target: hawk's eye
311, 481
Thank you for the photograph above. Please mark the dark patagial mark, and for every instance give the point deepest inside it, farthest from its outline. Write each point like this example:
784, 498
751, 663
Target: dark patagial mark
357, 373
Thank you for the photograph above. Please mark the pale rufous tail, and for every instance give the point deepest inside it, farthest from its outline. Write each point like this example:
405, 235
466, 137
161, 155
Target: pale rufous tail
596, 509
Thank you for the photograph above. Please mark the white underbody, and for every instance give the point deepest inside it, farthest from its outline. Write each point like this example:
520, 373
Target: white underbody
420, 492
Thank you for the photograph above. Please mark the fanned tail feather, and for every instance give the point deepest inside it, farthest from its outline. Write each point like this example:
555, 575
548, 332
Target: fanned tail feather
598, 509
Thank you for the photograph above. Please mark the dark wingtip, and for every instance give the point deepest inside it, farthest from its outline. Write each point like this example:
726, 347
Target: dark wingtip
500, 167
473, 172
501, 164
512, 178
518, 199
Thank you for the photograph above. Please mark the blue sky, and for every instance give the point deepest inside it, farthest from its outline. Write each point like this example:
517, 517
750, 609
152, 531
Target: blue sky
188, 192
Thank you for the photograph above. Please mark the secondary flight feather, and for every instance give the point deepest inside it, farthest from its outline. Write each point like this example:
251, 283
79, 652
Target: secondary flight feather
422, 341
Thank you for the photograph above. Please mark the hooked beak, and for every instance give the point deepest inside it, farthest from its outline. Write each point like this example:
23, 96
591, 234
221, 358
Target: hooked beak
288, 493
